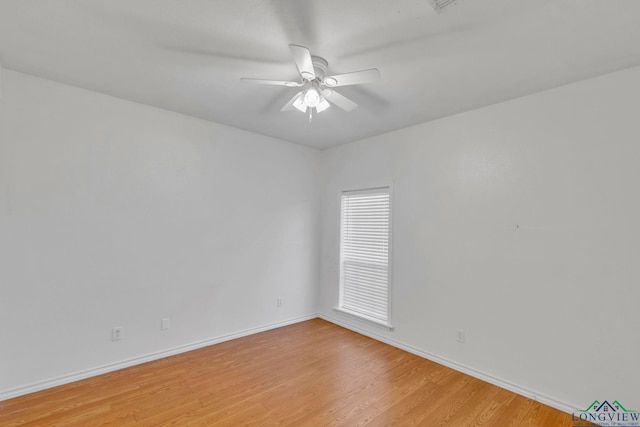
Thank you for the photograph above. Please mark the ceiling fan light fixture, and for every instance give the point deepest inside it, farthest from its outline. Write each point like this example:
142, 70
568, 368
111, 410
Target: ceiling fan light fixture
324, 104
299, 104
312, 97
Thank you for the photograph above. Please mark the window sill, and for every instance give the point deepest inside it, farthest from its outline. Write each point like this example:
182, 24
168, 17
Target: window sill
371, 320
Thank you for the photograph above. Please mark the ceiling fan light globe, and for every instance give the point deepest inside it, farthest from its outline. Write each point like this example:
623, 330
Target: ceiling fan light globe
312, 98
323, 105
300, 105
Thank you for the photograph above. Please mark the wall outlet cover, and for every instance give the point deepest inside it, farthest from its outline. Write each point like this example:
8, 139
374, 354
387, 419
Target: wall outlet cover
116, 333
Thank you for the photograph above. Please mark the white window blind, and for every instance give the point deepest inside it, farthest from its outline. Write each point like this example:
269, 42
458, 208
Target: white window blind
364, 253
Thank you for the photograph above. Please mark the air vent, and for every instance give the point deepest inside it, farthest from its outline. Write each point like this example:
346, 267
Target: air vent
441, 6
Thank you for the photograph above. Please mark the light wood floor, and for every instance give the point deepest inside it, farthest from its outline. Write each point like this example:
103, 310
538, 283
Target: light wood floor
308, 374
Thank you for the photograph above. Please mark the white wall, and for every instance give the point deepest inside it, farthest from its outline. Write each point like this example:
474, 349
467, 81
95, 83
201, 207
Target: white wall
118, 214
518, 223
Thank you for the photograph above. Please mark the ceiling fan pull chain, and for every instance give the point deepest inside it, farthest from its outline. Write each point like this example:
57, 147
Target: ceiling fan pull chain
310, 114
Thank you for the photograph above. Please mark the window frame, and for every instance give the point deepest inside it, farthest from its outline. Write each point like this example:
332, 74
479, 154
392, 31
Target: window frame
388, 189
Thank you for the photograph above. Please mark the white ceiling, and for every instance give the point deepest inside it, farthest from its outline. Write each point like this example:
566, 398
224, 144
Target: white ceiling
189, 55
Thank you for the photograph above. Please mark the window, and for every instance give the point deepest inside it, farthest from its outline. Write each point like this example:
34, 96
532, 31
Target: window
364, 254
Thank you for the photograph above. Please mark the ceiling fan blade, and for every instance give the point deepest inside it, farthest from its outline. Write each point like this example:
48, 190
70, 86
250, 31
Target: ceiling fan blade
354, 78
302, 58
340, 100
289, 105
272, 82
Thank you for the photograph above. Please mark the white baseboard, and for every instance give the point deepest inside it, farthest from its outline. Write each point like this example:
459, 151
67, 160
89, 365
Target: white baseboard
65, 379
523, 391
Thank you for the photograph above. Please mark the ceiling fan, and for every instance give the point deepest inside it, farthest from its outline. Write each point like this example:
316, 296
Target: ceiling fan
318, 89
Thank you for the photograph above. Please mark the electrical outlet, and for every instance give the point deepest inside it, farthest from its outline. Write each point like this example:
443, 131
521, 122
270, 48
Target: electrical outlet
164, 324
279, 302
460, 336
116, 333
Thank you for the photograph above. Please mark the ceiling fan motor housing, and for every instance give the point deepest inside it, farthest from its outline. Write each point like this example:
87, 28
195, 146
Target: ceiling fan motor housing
320, 66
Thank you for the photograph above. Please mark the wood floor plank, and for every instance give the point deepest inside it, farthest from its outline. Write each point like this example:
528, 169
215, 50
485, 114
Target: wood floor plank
481, 409
311, 373
339, 403
456, 403
398, 411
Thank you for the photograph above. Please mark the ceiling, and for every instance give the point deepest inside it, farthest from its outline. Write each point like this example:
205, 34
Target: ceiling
189, 56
